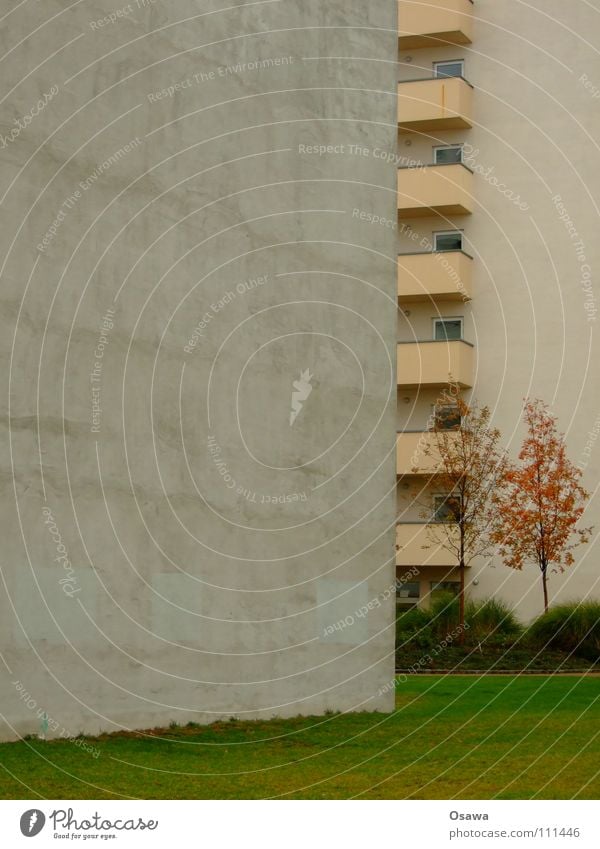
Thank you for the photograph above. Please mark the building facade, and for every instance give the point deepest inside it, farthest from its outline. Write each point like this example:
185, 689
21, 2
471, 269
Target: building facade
198, 341
498, 192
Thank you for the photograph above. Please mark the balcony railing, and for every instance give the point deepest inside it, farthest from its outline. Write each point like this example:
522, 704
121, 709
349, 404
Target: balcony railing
442, 276
445, 190
444, 103
416, 545
435, 364
434, 22
417, 452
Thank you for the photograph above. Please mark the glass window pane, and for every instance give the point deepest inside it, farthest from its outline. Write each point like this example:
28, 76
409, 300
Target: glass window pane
448, 241
407, 590
449, 69
448, 329
447, 417
447, 155
445, 508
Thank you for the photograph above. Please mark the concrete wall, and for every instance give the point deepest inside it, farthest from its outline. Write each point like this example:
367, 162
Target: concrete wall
536, 291
177, 248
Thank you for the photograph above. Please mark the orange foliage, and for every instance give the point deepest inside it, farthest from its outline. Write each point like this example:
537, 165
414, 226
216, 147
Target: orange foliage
540, 500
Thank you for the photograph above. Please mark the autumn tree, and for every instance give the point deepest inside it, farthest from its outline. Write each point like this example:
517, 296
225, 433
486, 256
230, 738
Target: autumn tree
468, 461
540, 501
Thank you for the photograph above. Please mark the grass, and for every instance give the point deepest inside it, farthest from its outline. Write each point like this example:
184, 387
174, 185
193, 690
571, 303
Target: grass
450, 737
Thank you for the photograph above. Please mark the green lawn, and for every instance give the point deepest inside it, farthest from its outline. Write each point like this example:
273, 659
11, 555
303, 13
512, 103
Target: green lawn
450, 737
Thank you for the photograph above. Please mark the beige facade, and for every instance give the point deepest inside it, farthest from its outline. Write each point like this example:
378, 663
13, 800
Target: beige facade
501, 242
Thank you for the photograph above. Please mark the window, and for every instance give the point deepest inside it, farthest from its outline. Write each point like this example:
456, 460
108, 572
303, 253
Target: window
448, 240
447, 154
449, 69
445, 507
407, 593
446, 417
447, 329
438, 587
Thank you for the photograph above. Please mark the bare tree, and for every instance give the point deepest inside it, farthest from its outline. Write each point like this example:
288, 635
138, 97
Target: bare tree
469, 465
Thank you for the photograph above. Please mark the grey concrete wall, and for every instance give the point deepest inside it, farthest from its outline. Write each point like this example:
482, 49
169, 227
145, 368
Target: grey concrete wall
186, 192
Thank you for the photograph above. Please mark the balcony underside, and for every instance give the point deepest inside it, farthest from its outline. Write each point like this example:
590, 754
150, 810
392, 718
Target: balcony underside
416, 41
434, 23
446, 210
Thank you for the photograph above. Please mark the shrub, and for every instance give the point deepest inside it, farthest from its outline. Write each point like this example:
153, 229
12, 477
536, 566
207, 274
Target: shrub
413, 627
573, 627
413, 619
491, 621
444, 613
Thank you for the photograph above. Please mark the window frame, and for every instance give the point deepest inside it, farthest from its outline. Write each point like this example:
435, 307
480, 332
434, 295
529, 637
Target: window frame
444, 497
412, 600
458, 146
435, 419
440, 319
437, 233
437, 64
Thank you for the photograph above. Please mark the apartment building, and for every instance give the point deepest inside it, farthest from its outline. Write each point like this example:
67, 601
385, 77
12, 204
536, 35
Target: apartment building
498, 193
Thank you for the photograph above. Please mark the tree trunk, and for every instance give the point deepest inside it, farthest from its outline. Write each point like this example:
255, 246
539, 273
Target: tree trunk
545, 586
461, 605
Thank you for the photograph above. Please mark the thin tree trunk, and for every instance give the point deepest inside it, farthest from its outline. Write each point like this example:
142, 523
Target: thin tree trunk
461, 599
545, 585
461, 604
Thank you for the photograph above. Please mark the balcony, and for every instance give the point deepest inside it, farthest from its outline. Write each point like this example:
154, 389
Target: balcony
441, 276
416, 546
429, 23
435, 364
445, 190
435, 104
416, 452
